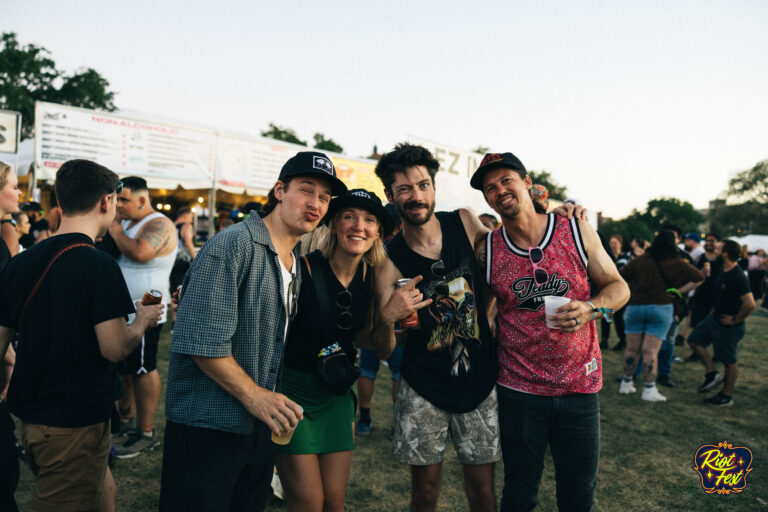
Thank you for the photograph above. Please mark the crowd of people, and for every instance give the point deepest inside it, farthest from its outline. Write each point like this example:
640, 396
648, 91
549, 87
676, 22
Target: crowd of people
266, 332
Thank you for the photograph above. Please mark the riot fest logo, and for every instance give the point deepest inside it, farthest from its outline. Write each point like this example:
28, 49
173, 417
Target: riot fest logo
723, 468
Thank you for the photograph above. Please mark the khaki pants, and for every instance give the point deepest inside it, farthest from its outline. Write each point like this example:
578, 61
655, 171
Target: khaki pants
69, 465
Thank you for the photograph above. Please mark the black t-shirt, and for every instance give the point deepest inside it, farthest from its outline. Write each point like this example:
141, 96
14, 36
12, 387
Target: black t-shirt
685, 256
61, 378
35, 229
706, 293
5, 254
730, 286
108, 245
450, 359
307, 332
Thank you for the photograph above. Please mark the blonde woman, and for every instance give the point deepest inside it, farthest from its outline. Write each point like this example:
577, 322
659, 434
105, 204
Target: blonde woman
314, 467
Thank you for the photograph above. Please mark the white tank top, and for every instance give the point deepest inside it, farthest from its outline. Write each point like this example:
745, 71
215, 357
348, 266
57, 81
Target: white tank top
153, 274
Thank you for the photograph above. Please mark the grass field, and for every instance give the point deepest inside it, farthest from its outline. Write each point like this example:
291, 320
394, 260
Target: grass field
646, 453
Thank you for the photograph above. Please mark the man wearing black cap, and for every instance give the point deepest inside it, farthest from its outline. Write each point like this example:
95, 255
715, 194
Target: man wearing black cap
549, 372
237, 299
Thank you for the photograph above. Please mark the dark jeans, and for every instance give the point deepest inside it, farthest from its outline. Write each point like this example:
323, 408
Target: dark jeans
570, 425
214, 471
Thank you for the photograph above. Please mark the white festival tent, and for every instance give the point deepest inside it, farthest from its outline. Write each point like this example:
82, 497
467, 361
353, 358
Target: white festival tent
753, 242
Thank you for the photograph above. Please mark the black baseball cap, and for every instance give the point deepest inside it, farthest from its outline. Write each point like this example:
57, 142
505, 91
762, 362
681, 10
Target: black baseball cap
494, 161
361, 198
31, 207
315, 164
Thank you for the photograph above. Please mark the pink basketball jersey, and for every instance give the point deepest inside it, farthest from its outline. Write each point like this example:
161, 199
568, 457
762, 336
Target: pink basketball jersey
532, 357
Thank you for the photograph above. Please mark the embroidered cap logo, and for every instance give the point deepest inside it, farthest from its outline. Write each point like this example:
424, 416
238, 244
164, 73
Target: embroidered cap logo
324, 165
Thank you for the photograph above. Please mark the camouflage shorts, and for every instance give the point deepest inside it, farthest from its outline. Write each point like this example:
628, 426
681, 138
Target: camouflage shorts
421, 430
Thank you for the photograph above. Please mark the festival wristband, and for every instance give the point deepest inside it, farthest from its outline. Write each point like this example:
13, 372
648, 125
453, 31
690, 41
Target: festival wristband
607, 312
674, 291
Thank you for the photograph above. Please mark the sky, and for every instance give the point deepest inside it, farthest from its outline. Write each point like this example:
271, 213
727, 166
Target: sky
621, 101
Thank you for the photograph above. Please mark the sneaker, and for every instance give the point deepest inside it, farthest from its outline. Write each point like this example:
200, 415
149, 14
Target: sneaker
126, 427
277, 487
362, 429
719, 400
137, 443
712, 379
652, 395
677, 360
665, 381
626, 387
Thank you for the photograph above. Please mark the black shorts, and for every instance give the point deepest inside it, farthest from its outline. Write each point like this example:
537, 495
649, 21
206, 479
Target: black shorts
699, 312
723, 338
144, 358
178, 272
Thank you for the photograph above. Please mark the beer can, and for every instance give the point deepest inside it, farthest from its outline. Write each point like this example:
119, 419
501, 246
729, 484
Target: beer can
152, 297
412, 320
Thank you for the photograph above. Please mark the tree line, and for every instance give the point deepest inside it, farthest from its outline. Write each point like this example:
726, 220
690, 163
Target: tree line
28, 73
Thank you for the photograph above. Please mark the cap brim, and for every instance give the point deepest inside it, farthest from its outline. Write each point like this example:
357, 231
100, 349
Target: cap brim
338, 187
476, 181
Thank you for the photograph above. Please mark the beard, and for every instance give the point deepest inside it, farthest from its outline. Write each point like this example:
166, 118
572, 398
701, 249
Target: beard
415, 220
511, 211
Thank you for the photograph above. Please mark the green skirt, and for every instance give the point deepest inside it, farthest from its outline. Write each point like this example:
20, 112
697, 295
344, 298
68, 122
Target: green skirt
329, 420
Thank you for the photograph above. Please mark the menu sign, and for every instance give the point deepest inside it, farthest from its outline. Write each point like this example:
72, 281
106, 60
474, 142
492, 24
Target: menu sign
126, 146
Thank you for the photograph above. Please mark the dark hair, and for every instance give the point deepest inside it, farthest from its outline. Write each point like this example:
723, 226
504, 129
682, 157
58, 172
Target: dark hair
135, 183
732, 249
491, 218
80, 185
403, 157
272, 201
673, 227
717, 237
183, 211
250, 206
663, 246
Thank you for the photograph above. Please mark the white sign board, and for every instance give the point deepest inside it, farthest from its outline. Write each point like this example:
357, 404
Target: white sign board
251, 164
452, 181
9, 131
157, 151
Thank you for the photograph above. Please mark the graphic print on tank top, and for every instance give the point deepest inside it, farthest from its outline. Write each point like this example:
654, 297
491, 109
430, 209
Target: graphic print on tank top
454, 311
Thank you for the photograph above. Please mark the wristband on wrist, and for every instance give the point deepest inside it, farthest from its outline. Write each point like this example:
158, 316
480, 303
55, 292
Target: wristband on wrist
674, 291
606, 312
8, 221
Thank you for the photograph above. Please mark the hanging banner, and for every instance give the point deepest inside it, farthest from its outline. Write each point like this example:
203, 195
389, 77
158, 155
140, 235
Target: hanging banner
10, 125
160, 152
254, 165
359, 174
251, 164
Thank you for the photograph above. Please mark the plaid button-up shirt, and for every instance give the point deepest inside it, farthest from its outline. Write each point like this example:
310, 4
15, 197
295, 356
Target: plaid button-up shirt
232, 304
